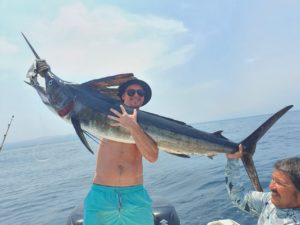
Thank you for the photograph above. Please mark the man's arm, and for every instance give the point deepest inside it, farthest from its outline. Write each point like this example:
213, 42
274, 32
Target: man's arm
251, 202
145, 144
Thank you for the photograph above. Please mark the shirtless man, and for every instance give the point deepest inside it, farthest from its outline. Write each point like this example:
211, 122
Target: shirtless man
117, 195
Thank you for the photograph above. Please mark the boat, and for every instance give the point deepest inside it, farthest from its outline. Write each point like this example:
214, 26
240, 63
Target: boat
164, 213
223, 222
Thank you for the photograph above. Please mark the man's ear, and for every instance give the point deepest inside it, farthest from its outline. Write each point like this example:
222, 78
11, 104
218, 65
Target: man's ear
123, 97
298, 198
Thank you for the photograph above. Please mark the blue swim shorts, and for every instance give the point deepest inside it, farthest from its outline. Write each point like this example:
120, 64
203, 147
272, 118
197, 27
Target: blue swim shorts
105, 205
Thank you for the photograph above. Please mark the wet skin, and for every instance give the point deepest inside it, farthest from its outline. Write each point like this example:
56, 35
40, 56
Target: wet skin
120, 164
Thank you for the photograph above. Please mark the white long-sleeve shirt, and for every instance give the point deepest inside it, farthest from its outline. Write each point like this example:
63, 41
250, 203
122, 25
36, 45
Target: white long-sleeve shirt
257, 203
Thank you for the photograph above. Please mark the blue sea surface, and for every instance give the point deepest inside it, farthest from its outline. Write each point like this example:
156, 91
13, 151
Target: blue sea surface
41, 183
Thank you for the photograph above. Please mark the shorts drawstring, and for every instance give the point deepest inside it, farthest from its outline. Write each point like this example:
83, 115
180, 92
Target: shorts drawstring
114, 205
119, 196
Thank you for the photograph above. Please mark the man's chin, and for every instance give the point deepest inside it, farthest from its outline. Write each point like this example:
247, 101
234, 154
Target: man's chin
275, 200
136, 105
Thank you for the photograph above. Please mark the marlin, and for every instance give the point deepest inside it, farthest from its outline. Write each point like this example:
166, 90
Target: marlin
87, 106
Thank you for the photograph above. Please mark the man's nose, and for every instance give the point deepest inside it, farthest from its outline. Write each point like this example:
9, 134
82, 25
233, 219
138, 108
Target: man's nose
272, 185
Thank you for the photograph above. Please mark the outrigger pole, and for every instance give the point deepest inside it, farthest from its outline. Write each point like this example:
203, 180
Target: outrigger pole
5, 135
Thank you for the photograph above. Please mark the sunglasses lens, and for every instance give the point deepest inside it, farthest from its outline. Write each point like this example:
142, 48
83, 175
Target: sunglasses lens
141, 93
131, 92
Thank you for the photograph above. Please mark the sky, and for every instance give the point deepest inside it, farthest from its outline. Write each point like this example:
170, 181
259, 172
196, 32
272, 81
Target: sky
205, 60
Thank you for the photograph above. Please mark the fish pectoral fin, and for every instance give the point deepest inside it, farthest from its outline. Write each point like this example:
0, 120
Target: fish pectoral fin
180, 155
79, 132
109, 85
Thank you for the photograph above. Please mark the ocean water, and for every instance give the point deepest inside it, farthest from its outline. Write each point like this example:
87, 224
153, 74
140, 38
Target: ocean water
40, 184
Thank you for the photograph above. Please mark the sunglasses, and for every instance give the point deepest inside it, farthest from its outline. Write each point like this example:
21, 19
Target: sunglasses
131, 92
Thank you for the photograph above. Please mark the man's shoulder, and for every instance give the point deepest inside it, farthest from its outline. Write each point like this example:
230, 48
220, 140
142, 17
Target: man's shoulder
296, 215
290, 216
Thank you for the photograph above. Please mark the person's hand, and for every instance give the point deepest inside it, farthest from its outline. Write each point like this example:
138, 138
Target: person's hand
236, 155
41, 66
124, 119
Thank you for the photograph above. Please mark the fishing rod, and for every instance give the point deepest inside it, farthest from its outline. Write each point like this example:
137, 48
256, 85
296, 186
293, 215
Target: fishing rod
5, 135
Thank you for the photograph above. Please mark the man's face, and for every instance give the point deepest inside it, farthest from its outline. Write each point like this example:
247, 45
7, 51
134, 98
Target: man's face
284, 192
134, 101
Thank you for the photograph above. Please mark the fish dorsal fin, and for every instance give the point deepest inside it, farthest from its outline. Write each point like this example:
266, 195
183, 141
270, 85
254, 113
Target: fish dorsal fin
219, 134
109, 85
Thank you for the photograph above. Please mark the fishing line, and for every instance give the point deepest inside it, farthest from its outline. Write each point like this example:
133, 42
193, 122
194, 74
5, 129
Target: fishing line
91, 136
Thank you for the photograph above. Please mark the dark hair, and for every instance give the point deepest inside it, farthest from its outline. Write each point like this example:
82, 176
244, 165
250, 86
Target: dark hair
143, 84
291, 167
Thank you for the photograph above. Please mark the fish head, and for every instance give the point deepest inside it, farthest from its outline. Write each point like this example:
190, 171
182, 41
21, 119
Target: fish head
54, 92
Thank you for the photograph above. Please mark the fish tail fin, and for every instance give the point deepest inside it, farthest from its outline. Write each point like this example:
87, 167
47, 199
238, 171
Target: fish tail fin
249, 145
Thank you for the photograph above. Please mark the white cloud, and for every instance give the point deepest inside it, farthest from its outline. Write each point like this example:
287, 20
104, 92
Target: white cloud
83, 43
108, 40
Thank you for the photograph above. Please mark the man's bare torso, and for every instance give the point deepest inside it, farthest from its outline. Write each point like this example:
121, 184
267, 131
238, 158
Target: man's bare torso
118, 164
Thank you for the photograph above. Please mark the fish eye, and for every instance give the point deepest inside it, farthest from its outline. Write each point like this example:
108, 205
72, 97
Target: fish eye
50, 82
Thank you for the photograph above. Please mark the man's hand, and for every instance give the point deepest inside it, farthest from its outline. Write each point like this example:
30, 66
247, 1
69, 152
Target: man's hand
236, 155
41, 66
128, 121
